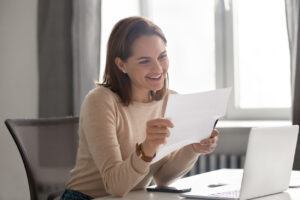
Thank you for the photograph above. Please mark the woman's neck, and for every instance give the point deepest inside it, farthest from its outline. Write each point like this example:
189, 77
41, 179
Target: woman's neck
141, 96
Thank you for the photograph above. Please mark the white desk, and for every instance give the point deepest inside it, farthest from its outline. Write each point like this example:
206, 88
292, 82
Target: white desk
202, 180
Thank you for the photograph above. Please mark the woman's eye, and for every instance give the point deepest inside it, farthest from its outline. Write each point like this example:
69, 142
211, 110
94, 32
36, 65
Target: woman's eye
144, 62
162, 56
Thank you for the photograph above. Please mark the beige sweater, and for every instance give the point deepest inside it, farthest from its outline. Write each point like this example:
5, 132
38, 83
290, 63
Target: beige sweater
106, 159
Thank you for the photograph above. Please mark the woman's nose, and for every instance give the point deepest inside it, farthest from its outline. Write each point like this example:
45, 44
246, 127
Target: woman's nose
157, 66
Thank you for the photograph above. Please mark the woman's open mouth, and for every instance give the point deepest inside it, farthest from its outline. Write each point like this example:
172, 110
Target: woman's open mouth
155, 78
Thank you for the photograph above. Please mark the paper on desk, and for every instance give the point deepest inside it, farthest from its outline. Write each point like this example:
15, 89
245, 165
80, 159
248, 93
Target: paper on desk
193, 116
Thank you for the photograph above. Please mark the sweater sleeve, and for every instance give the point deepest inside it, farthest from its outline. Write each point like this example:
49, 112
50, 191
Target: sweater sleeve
178, 164
99, 119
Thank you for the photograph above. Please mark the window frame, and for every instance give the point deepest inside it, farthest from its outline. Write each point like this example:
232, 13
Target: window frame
227, 67
226, 63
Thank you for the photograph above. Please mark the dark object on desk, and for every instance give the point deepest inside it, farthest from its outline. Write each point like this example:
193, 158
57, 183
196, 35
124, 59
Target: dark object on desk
48, 149
216, 185
294, 186
168, 189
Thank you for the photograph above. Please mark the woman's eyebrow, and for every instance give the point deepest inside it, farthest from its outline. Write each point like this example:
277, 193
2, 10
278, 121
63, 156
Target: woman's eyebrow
143, 57
163, 52
146, 57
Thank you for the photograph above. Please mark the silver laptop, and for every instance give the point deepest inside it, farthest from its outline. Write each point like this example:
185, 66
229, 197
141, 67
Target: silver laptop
269, 162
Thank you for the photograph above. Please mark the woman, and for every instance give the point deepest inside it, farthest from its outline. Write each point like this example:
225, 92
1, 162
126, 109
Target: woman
121, 121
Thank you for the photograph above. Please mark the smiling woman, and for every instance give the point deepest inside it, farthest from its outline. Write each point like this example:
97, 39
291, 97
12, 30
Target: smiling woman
147, 68
133, 63
121, 121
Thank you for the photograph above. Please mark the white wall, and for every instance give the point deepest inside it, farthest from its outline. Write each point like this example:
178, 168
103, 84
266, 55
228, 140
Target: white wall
18, 87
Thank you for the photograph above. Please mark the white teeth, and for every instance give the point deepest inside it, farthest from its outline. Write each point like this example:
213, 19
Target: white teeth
158, 76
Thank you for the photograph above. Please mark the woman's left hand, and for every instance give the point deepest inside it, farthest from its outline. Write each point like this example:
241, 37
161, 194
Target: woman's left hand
207, 145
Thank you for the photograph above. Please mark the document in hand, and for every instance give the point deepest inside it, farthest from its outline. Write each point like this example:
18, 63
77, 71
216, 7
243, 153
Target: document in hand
194, 117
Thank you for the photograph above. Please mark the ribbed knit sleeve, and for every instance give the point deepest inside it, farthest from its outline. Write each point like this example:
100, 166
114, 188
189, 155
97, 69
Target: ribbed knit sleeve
99, 123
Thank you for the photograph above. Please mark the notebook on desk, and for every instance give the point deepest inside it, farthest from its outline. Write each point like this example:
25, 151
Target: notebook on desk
268, 166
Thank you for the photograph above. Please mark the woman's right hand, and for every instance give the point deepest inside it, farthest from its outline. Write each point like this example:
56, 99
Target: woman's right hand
156, 133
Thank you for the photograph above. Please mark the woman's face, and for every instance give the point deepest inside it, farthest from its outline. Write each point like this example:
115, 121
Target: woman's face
148, 66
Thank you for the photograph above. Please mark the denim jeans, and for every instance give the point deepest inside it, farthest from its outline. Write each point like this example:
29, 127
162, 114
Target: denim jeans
74, 195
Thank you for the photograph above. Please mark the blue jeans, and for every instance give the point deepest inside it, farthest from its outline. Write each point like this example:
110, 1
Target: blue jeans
74, 195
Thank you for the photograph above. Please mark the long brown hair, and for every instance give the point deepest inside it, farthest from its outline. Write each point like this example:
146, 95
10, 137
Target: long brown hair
120, 42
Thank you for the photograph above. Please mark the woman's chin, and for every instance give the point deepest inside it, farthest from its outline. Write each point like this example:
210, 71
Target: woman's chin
156, 88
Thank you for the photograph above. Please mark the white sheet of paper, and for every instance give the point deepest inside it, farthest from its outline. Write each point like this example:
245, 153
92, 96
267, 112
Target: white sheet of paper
194, 117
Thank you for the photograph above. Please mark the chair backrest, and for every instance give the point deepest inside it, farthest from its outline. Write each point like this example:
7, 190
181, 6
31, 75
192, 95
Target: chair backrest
48, 149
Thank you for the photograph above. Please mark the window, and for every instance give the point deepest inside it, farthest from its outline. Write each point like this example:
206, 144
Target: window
263, 55
258, 65
222, 43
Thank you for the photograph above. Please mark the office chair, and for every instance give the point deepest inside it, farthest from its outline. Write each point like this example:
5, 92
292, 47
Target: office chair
48, 149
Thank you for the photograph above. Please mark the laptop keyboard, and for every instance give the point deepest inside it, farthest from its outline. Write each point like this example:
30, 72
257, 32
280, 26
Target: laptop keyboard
229, 194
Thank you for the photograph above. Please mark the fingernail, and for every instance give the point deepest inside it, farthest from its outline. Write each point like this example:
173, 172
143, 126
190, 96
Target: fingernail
168, 118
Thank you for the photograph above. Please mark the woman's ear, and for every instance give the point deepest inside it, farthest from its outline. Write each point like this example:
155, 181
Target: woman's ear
121, 65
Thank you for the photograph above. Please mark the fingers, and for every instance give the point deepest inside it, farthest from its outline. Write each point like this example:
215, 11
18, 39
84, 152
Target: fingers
212, 139
214, 133
157, 133
160, 122
155, 129
207, 145
209, 141
155, 136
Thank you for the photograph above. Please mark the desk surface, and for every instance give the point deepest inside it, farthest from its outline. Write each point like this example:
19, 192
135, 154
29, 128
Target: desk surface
202, 180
